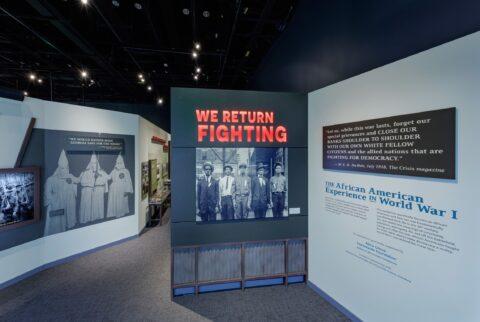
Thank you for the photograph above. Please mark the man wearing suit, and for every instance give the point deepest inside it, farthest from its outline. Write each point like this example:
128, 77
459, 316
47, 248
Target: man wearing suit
242, 192
226, 188
260, 193
278, 187
207, 194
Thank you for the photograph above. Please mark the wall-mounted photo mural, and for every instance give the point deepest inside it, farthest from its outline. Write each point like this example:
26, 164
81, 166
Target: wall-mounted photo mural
88, 180
232, 167
241, 183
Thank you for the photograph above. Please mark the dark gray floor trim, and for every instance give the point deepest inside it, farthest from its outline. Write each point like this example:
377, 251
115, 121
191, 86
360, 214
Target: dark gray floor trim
61, 261
333, 302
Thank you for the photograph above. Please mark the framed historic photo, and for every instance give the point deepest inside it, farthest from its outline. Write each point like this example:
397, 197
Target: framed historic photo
145, 180
19, 197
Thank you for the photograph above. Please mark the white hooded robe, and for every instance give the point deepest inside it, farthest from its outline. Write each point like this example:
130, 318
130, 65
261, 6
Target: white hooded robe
60, 194
119, 189
94, 186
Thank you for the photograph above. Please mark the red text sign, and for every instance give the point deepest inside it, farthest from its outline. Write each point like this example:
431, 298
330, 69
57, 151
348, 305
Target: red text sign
238, 126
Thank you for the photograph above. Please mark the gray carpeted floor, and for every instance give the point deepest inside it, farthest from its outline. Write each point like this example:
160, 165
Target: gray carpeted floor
131, 282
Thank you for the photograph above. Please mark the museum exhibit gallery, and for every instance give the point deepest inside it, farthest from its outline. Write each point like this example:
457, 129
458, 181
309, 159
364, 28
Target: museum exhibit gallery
155, 172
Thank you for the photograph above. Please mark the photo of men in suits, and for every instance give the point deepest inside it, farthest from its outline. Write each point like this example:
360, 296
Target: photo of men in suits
207, 194
236, 184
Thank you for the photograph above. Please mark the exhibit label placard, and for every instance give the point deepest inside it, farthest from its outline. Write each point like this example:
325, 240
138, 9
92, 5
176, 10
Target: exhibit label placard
94, 143
419, 144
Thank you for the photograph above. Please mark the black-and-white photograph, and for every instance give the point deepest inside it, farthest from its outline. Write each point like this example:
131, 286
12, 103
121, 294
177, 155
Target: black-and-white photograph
241, 183
145, 180
17, 197
81, 186
95, 194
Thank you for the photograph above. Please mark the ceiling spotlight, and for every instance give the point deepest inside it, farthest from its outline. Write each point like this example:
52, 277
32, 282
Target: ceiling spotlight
185, 11
116, 3
194, 54
197, 46
140, 76
198, 70
142, 80
160, 101
216, 35
206, 14
137, 6
25, 93
195, 77
149, 88
247, 53
84, 2
245, 10
165, 65
84, 74
40, 81
32, 76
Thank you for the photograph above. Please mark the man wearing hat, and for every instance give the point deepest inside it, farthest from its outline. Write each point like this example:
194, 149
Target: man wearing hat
242, 192
260, 193
278, 187
226, 186
207, 194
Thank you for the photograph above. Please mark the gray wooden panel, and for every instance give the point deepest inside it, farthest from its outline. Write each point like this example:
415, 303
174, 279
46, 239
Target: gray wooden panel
191, 233
296, 256
266, 258
183, 265
219, 263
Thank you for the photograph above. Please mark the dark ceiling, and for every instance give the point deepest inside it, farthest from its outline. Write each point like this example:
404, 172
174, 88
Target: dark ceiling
284, 45
116, 40
329, 41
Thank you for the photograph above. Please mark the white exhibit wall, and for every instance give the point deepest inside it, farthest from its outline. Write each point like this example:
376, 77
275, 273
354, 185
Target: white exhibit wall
14, 118
149, 151
425, 285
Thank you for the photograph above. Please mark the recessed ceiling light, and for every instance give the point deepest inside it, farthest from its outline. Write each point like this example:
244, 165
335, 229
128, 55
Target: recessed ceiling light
84, 2
160, 101
186, 11
149, 88
25, 93
84, 74
247, 53
137, 6
194, 54
198, 70
116, 3
32, 76
216, 35
142, 80
165, 65
197, 46
40, 81
140, 75
195, 77
206, 13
